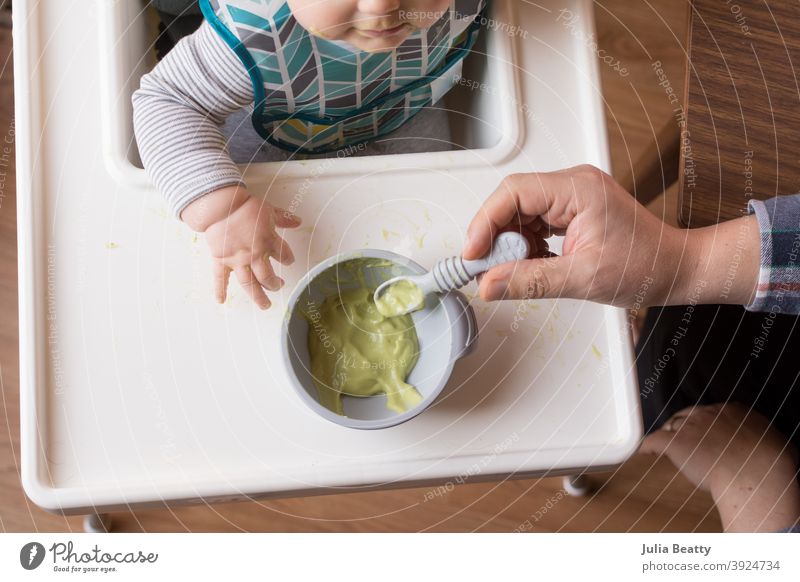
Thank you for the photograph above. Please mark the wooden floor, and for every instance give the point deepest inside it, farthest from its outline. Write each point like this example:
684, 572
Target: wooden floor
643, 495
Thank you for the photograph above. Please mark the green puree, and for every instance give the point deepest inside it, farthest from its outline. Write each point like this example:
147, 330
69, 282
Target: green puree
400, 298
357, 351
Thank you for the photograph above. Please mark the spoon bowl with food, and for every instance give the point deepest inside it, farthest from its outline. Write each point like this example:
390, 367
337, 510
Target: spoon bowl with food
406, 293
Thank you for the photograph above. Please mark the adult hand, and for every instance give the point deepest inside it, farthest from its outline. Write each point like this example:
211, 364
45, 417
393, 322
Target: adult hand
615, 251
748, 467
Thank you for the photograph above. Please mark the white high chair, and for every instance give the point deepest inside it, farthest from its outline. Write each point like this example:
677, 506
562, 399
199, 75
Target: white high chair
137, 389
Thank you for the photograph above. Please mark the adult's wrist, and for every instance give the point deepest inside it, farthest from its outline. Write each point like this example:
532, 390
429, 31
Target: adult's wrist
720, 264
676, 273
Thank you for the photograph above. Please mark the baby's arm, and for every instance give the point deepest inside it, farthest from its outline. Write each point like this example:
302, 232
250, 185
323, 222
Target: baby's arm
178, 112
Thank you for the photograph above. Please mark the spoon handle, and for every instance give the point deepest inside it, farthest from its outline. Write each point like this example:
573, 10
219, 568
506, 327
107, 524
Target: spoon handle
508, 247
455, 272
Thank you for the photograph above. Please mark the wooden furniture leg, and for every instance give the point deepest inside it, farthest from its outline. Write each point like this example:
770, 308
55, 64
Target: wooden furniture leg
657, 168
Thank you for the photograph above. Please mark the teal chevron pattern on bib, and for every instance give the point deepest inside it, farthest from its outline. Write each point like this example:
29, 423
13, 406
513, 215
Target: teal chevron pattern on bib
314, 96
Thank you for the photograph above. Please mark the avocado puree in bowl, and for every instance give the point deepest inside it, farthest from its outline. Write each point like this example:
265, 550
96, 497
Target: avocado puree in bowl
355, 350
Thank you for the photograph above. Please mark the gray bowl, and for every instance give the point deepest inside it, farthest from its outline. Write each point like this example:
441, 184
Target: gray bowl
446, 328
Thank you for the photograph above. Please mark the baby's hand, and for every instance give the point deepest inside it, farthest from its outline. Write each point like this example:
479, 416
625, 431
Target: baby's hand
243, 242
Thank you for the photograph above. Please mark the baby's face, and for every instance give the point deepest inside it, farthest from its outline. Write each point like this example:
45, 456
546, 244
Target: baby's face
370, 25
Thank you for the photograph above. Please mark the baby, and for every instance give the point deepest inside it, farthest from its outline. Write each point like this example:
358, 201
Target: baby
320, 75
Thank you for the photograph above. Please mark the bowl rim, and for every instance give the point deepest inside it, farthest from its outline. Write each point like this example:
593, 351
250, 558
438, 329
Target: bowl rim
346, 421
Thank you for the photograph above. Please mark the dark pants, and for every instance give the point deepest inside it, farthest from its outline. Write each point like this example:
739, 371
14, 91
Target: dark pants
179, 18
711, 353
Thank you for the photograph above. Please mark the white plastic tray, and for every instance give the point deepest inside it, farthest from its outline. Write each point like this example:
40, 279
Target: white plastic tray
137, 388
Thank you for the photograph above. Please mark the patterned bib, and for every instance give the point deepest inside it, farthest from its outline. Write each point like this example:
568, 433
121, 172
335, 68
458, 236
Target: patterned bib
315, 96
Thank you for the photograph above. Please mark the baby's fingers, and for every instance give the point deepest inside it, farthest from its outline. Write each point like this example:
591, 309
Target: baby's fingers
265, 274
221, 276
282, 252
253, 288
286, 219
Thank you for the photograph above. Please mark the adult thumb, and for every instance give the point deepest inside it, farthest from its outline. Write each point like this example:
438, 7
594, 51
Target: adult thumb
656, 443
543, 278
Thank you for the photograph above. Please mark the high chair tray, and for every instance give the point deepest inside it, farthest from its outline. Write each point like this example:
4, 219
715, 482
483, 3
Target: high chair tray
137, 388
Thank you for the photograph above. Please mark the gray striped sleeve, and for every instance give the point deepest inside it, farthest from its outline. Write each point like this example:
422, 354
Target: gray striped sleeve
178, 112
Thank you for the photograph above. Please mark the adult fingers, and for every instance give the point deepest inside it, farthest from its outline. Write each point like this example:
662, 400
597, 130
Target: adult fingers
265, 274
520, 197
703, 413
498, 211
542, 278
221, 276
656, 443
252, 287
541, 227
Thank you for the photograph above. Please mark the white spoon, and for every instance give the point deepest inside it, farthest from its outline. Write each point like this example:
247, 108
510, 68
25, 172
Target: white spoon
453, 273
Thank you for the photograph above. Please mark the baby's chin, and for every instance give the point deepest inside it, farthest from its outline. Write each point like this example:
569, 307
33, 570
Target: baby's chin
377, 45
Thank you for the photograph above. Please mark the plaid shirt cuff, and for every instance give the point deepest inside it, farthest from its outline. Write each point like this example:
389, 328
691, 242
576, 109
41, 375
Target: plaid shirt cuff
779, 276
